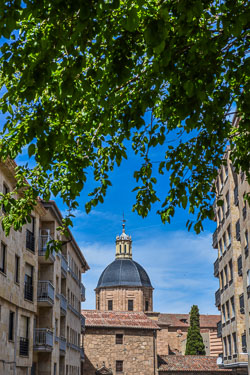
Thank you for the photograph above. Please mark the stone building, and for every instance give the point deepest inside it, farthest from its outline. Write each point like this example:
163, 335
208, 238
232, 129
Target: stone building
116, 340
40, 297
231, 239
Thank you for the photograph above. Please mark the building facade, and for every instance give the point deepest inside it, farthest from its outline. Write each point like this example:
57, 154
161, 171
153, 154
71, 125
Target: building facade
232, 265
40, 296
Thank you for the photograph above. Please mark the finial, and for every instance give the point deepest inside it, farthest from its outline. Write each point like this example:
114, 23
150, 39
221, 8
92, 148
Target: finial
123, 224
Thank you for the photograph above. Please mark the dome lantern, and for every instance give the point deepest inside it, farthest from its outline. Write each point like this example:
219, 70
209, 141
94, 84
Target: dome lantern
123, 244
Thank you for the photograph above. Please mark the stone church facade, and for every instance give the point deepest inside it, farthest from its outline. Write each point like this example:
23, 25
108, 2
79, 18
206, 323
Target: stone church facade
124, 336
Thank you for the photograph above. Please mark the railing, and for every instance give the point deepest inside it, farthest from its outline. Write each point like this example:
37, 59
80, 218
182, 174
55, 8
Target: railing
24, 346
45, 292
217, 298
215, 239
43, 339
219, 329
216, 268
62, 344
63, 303
28, 291
42, 247
238, 230
239, 263
64, 263
83, 290
74, 310
236, 196
30, 240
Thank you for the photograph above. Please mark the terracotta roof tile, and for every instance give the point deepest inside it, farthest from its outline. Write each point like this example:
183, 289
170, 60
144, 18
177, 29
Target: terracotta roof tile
182, 320
119, 319
188, 363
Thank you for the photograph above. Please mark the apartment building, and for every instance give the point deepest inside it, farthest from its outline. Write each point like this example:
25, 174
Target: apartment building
40, 297
231, 266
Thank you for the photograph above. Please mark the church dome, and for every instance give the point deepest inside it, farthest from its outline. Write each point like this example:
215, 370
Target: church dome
124, 272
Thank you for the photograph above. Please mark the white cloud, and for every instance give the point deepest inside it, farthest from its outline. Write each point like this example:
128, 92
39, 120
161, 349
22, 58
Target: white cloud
180, 266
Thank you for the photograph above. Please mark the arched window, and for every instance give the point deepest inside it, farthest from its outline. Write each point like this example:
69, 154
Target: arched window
125, 249
120, 249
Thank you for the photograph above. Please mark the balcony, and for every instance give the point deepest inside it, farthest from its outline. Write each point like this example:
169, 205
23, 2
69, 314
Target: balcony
217, 298
82, 323
30, 240
24, 347
216, 268
215, 239
42, 248
45, 293
63, 305
64, 265
74, 310
62, 345
28, 291
43, 340
219, 329
83, 293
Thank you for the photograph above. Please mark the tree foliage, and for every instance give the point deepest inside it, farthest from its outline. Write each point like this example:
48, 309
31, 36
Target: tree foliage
77, 78
195, 345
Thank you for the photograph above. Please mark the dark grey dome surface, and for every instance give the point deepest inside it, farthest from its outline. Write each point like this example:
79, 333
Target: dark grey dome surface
124, 272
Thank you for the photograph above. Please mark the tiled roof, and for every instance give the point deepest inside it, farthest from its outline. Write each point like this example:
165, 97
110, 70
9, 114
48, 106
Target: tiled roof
188, 363
182, 320
118, 319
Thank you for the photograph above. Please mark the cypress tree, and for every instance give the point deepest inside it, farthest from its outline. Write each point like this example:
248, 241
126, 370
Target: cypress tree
195, 345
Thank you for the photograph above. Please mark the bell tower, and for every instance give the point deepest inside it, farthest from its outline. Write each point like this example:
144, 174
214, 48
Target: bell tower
123, 244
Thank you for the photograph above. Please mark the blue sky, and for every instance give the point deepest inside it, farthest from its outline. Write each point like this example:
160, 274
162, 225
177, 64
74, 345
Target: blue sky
179, 263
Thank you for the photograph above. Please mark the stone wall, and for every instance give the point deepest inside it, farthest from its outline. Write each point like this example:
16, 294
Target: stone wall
136, 352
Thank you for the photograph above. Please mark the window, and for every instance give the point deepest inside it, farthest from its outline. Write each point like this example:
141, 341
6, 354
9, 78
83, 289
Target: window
0, 312
244, 343
119, 366
17, 268
223, 313
3, 258
235, 342
222, 280
125, 249
228, 201
225, 346
146, 305
228, 310
242, 304
220, 247
120, 249
56, 327
11, 326
219, 215
248, 277
246, 238
232, 307
226, 275
110, 304
28, 282
221, 178
224, 242
119, 338
223, 210
229, 345
229, 235
130, 305
230, 264
6, 190
226, 172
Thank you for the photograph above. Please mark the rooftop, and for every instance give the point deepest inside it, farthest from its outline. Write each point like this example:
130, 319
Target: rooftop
117, 319
188, 363
182, 320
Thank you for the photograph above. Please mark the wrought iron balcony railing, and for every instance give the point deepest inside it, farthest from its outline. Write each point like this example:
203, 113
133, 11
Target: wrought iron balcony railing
83, 291
43, 339
219, 329
216, 268
217, 298
64, 264
215, 239
63, 304
45, 292
24, 347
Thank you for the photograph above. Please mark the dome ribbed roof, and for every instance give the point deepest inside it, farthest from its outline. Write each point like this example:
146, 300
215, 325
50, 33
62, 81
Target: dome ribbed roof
124, 272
